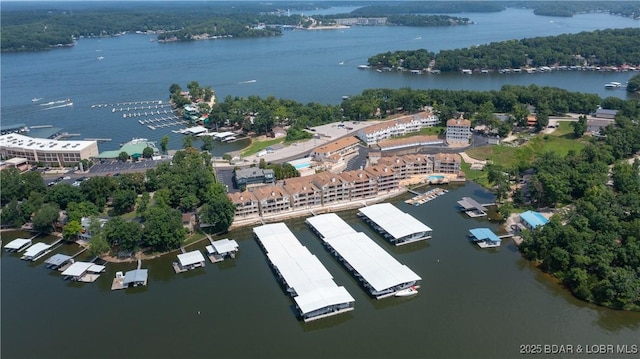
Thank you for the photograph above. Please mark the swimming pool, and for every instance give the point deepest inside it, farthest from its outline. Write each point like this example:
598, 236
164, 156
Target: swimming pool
436, 177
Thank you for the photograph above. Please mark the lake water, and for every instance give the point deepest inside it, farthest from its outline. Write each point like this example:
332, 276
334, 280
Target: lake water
473, 303
307, 66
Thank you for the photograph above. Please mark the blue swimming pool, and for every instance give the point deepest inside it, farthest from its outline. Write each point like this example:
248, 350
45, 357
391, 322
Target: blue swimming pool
438, 177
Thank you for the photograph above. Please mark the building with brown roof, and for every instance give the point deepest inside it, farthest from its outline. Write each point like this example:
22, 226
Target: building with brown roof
413, 141
446, 163
272, 199
401, 126
342, 147
362, 184
246, 204
386, 178
419, 164
334, 188
458, 131
304, 193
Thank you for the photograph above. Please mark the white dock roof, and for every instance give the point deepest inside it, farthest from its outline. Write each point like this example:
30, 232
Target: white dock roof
194, 130
79, 268
395, 222
222, 135
36, 249
17, 243
329, 225
225, 245
373, 263
300, 269
189, 258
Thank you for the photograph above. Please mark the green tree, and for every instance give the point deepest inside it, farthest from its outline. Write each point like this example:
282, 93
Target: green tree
164, 143
75, 211
11, 214
187, 142
123, 201
207, 143
98, 246
123, 156
71, 229
579, 127
127, 235
163, 228
46, 217
147, 152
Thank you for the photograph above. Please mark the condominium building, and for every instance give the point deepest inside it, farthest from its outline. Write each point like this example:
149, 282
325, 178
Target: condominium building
304, 193
362, 183
272, 199
46, 151
334, 188
386, 178
401, 126
246, 203
342, 148
458, 131
446, 163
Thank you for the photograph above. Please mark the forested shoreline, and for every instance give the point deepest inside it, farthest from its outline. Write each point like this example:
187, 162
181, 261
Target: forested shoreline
600, 48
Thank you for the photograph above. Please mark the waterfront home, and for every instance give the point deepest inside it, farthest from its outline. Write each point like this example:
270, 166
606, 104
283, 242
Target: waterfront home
253, 176
378, 272
85, 222
532, 219
334, 188
363, 184
278, 132
304, 193
246, 203
189, 221
484, 238
396, 226
386, 178
188, 261
314, 292
222, 248
458, 131
83, 272
446, 163
58, 261
36, 251
18, 245
342, 147
272, 199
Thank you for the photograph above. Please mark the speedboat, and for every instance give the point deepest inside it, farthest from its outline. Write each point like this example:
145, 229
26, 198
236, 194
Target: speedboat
407, 292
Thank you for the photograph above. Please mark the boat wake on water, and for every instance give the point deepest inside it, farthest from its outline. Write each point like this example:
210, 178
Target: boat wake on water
51, 103
65, 103
247, 82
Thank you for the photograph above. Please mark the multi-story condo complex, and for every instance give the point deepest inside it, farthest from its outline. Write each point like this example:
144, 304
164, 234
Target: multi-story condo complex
246, 203
363, 184
342, 148
334, 188
458, 131
46, 151
446, 163
401, 126
304, 193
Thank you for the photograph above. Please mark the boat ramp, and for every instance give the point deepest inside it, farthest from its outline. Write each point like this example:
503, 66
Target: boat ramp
396, 226
314, 292
426, 197
378, 272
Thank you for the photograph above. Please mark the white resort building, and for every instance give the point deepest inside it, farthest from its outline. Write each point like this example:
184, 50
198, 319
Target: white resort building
56, 153
458, 131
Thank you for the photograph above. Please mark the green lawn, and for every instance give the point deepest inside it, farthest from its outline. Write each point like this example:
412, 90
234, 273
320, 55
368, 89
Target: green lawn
560, 141
257, 146
425, 131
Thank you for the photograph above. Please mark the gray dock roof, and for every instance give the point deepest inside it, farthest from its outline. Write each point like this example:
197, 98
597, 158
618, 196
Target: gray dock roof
135, 276
393, 221
57, 259
468, 203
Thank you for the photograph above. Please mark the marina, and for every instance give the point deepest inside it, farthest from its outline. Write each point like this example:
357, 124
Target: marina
314, 292
426, 197
397, 227
376, 270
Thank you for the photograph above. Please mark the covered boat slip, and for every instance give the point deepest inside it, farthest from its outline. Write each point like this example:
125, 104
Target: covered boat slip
471, 207
83, 272
380, 273
314, 292
17, 245
188, 261
58, 260
36, 251
396, 226
222, 248
484, 238
132, 278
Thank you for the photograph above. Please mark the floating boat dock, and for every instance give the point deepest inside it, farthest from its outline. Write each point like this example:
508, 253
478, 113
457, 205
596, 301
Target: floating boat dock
188, 261
485, 238
378, 272
132, 278
36, 251
83, 272
426, 197
314, 292
472, 208
18, 245
396, 226
58, 261
220, 249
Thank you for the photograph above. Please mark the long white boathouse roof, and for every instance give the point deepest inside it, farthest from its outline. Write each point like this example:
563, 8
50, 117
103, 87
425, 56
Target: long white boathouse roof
77, 269
382, 274
18, 244
36, 250
315, 293
190, 258
401, 226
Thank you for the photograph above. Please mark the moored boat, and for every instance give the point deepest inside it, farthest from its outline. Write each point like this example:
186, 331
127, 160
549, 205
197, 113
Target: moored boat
413, 290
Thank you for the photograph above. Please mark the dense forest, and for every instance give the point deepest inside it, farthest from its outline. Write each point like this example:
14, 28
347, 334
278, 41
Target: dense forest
405, 19
184, 185
597, 48
594, 247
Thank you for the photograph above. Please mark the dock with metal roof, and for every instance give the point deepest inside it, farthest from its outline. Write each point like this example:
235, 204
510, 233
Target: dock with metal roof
57, 261
472, 208
314, 292
188, 261
83, 272
220, 249
396, 226
36, 251
484, 238
18, 245
381, 274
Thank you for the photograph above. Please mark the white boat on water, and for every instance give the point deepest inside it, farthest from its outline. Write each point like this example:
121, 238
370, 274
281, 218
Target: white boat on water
612, 85
36, 99
407, 292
